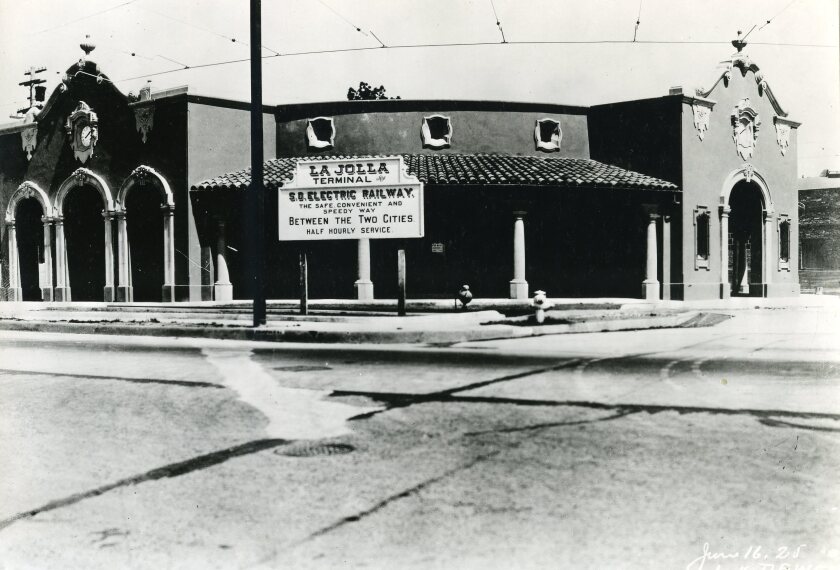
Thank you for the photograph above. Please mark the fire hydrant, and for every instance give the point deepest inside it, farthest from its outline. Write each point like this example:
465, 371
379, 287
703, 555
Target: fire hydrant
540, 302
464, 295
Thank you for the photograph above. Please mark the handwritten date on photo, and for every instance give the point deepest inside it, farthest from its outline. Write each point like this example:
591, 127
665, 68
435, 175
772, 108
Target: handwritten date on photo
756, 557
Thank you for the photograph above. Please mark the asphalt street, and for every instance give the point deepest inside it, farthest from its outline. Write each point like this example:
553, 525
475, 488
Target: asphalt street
691, 448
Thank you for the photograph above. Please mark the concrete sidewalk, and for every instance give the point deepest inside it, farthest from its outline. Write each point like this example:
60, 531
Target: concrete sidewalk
430, 321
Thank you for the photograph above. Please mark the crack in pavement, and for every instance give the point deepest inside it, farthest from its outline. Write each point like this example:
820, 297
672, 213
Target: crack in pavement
401, 398
397, 496
186, 383
406, 399
547, 425
167, 471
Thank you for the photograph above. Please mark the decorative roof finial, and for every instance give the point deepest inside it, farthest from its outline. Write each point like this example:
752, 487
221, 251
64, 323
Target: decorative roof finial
739, 43
87, 45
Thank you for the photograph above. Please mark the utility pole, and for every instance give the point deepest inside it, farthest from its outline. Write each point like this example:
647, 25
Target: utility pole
36, 94
256, 194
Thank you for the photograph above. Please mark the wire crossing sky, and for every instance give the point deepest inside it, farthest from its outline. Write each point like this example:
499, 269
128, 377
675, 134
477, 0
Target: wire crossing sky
554, 51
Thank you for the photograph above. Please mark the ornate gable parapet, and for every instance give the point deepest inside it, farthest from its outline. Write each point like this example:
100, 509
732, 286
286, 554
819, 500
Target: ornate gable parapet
742, 62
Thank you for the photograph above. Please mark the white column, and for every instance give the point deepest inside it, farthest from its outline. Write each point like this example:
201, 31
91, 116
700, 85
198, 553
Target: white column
168, 253
666, 257
768, 252
15, 291
62, 278
364, 286
223, 290
124, 289
650, 286
47, 285
518, 285
725, 291
108, 293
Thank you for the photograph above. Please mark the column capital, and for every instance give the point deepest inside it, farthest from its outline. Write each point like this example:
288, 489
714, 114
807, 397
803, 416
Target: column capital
725, 211
518, 214
10, 224
120, 214
46, 220
168, 208
107, 215
58, 220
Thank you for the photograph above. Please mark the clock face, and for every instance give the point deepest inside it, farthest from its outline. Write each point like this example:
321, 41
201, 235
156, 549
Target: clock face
85, 136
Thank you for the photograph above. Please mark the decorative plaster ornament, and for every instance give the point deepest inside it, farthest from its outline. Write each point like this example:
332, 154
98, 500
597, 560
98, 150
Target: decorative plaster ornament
745, 124
144, 118
749, 170
782, 134
702, 114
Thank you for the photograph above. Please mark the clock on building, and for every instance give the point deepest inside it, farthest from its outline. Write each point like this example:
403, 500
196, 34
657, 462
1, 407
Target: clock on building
83, 130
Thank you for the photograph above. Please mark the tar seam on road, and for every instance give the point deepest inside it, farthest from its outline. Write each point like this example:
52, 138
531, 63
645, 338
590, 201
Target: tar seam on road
404, 400
615, 416
186, 383
397, 496
167, 471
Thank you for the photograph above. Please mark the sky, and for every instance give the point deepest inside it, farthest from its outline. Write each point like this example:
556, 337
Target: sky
679, 43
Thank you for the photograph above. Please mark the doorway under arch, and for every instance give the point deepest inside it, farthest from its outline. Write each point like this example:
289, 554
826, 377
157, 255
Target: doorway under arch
30, 248
746, 239
84, 235
145, 238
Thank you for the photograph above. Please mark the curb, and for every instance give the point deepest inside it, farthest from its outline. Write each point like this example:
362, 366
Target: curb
408, 336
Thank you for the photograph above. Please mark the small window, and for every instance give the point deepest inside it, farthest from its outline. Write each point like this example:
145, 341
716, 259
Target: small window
547, 135
436, 132
702, 245
784, 242
320, 133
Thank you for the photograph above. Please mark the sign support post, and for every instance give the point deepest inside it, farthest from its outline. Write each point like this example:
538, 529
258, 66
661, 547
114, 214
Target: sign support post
401, 282
304, 285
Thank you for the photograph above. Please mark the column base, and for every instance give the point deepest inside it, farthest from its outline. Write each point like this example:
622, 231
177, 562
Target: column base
46, 294
650, 289
167, 293
14, 294
518, 289
108, 294
125, 294
364, 289
62, 294
223, 292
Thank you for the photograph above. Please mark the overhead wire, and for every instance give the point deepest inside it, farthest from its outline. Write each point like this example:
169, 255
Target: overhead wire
498, 22
351, 24
638, 21
788, 5
70, 22
472, 44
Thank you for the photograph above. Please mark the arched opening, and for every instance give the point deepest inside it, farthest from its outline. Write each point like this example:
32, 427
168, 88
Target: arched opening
144, 223
30, 248
85, 239
746, 252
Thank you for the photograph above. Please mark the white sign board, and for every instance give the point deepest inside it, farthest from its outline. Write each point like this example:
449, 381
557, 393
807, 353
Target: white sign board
351, 199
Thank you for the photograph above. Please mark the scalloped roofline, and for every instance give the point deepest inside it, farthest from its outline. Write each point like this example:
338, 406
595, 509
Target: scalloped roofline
742, 62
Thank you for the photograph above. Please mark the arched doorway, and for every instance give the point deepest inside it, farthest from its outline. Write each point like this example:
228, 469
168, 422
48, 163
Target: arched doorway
745, 236
85, 243
30, 245
28, 217
146, 237
746, 248
84, 210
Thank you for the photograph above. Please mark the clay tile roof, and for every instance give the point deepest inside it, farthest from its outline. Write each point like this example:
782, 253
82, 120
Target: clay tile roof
474, 169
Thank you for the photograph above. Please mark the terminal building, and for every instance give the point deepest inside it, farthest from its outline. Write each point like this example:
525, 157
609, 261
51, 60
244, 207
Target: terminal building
692, 195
